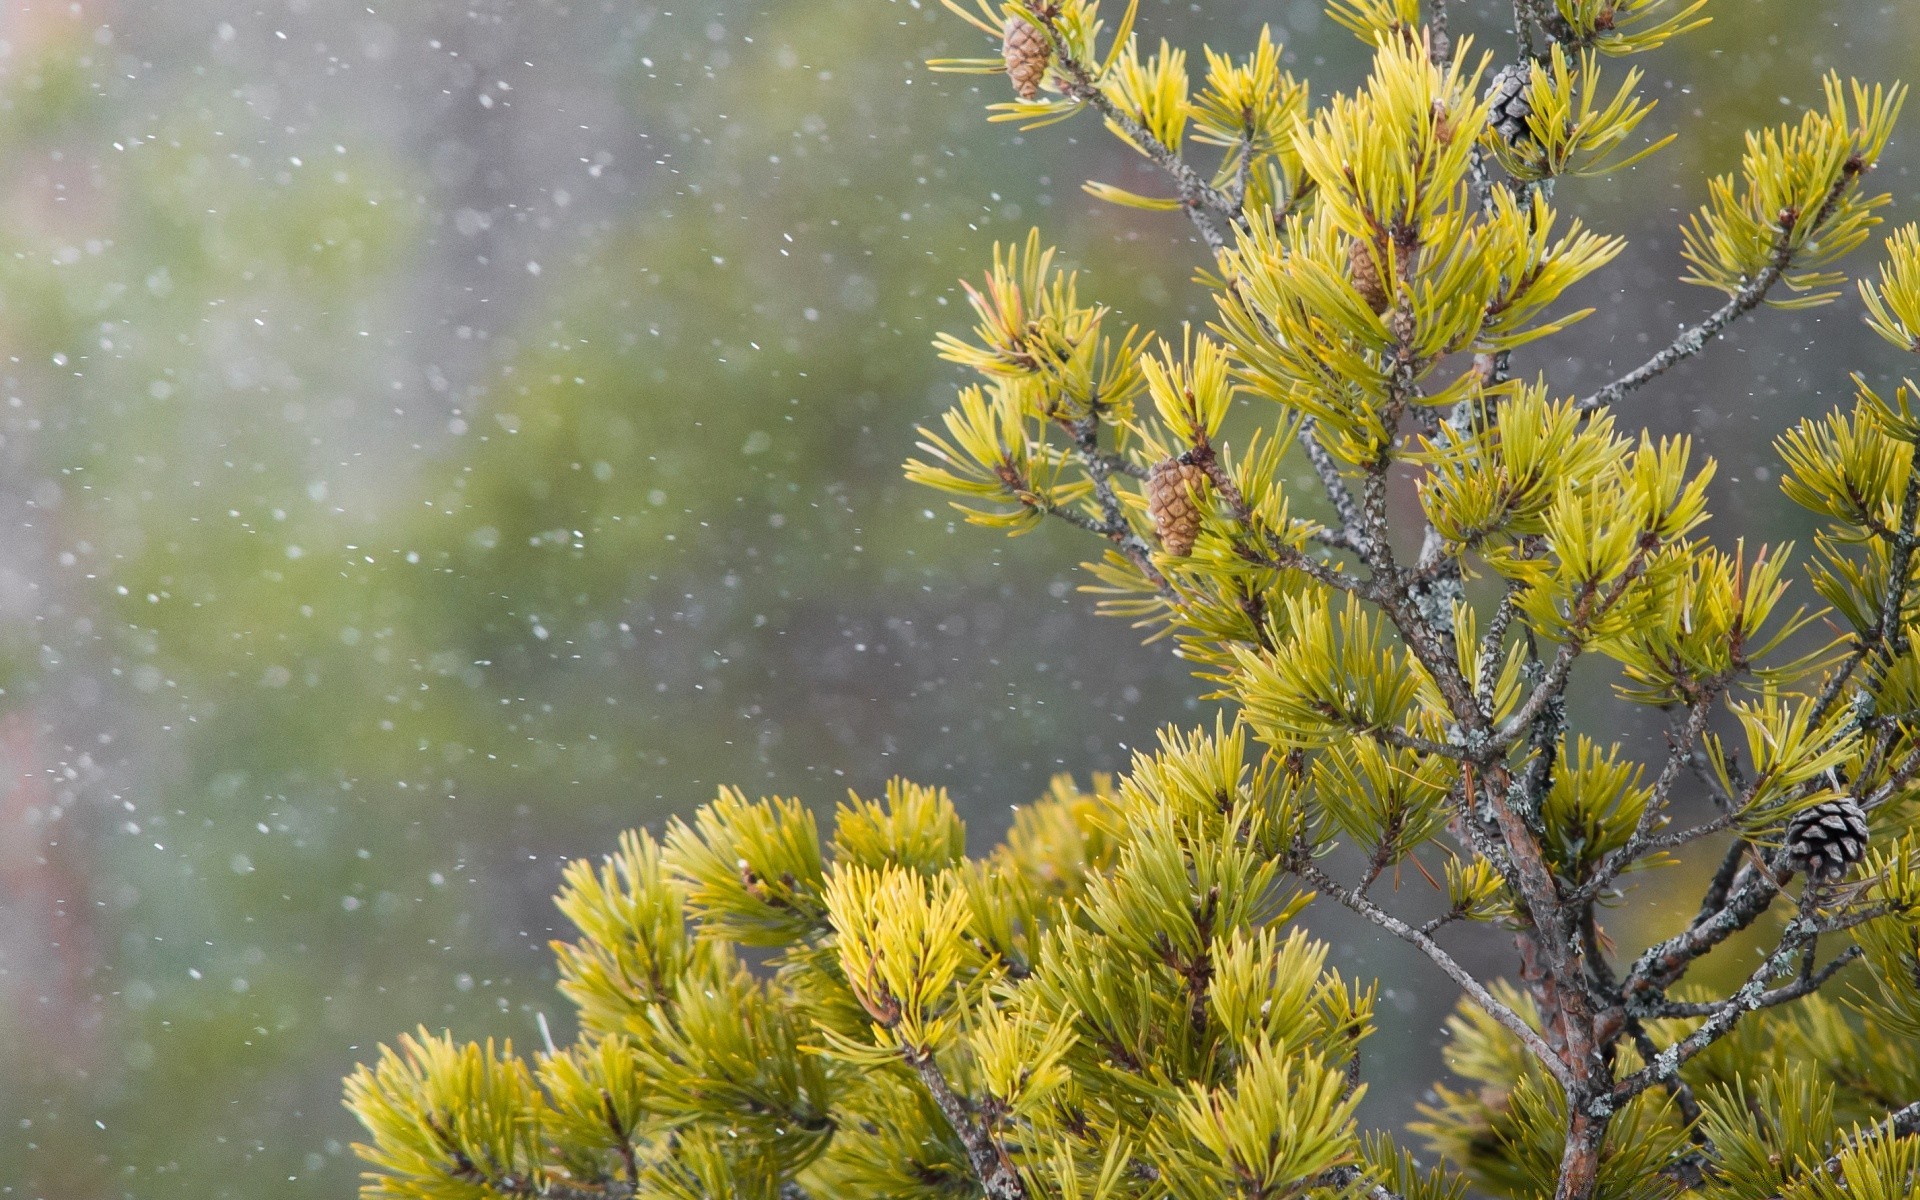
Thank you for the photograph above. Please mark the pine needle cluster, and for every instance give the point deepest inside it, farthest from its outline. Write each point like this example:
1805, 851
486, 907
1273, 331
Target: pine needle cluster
1117, 1001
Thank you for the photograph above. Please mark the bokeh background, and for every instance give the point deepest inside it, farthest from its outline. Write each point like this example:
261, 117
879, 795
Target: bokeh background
438, 435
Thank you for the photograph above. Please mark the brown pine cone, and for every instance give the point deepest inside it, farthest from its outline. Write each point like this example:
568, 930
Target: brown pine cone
1827, 839
1174, 489
1366, 275
1027, 53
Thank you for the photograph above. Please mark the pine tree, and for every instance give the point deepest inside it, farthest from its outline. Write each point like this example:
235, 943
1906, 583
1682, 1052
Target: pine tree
1117, 1001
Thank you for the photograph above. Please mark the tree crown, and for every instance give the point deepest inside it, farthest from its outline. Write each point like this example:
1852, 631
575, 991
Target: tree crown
1117, 1001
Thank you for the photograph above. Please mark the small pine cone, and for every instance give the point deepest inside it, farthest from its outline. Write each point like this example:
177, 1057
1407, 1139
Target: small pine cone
1827, 839
1173, 489
1400, 325
1508, 107
1365, 274
1027, 53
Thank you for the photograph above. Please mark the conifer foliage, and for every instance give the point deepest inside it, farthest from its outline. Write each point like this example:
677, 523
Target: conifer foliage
1117, 1001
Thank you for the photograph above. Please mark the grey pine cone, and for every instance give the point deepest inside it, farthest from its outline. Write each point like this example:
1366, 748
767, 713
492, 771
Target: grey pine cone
1827, 839
1508, 107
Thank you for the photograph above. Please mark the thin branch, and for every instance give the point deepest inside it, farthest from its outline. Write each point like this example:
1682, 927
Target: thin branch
1702, 769
1902, 1122
988, 1159
1201, 199
1076, 518
1486, 664
1243, 168
1343, 1178
1694, 338
1752, 995
1836, 682
1722, 882
1589, 608
1897, 780
1117, 464
1441, 45
1892, 630
556, 1190
1889, 633
1661, 965
1281, 557
1511, 1020
1678, 1088
1680, 837
1443, 920
1644, 841
1279, 554
1400, 738
1805, 985
1525, 17
1334, 483
1335, 539
1114, 526
1799, 934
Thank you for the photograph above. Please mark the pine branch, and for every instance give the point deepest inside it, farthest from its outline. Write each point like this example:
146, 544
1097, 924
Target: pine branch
1662, 965
1896, 782
1643, 840
1723, 877
1526, 17
1694, 338
1119, 464
1891, 632
1201, 199
1114, 526
1486, 664
1667, 1063
1243, 168
1334, 483
1121, 535
1753, 995
1343, 1178
1335, 539
1413, 741
1590, 607
555, 1190
1805, 985
988, 1159
1280, 556
1902, 1122
1440, 47
1691, 1168
1512, 1021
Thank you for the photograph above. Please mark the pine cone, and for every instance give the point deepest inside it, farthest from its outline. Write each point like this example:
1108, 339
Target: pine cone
1400, 325
1027, 53
1827, 839
1366, 275
1173, 491
1508, 108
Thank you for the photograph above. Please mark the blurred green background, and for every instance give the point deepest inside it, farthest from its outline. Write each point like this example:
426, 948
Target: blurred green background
437, 436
